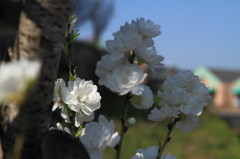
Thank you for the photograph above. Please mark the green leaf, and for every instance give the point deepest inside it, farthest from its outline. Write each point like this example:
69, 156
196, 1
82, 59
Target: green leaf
76, 32
75, 71
67, 108
75, 35
79, 131
72, 18
71, 76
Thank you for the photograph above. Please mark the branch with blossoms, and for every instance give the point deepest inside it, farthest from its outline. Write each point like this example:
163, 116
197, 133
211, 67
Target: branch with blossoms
80, 98
182, 102
183, 98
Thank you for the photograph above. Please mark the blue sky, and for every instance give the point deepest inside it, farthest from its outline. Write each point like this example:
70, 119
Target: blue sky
194, 32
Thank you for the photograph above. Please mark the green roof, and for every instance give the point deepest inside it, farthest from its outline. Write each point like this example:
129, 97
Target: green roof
205, 74
236, 88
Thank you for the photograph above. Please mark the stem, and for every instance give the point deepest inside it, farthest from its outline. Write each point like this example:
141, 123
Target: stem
167, 138
71, 69
72, 119
124, 128
69, 55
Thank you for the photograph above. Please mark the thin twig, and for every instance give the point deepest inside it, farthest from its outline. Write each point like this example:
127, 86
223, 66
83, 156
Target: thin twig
167, 138
72, 70
124, 128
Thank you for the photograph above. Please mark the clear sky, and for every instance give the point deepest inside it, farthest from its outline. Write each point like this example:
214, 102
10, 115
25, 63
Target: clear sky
194, 32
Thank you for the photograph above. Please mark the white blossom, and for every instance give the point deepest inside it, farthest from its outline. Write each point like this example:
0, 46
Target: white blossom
150, 153
57, 96
59, 127
106, 65
185, 91
58, 103
125, 40
142, 99
180, 82
130, 36
82, 117
65, 116
16, 78
97, 135
187, 123
148, 56
123, 78
81, 97
147, 28
163, 113
187, 103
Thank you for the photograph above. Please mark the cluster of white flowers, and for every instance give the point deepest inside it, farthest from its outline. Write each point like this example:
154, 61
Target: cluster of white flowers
97, 135
151, 153
120, 70
184, 97
16, 78
80, 96
117, 73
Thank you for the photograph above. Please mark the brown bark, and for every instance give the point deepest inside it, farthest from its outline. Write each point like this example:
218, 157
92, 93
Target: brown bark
40, 36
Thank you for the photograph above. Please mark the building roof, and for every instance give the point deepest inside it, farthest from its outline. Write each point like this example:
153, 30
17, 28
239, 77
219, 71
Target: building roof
236, 87
213, 77
226, 75
211, 80
220, 75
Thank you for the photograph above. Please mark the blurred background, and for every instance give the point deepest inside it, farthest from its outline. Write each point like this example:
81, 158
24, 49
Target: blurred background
201, 36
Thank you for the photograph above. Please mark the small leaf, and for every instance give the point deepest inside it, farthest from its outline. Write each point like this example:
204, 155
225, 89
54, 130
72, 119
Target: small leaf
71, 76
76, 32
72, 18
79, 131
67, 108
75, 70
75, 35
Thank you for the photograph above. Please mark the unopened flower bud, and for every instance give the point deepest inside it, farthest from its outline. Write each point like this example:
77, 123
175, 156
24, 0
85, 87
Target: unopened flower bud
132, 121
72, 24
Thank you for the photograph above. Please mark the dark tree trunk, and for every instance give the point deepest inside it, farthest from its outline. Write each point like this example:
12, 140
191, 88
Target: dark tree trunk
40, 36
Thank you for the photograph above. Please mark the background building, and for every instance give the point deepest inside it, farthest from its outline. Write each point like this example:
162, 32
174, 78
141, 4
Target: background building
224, 86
